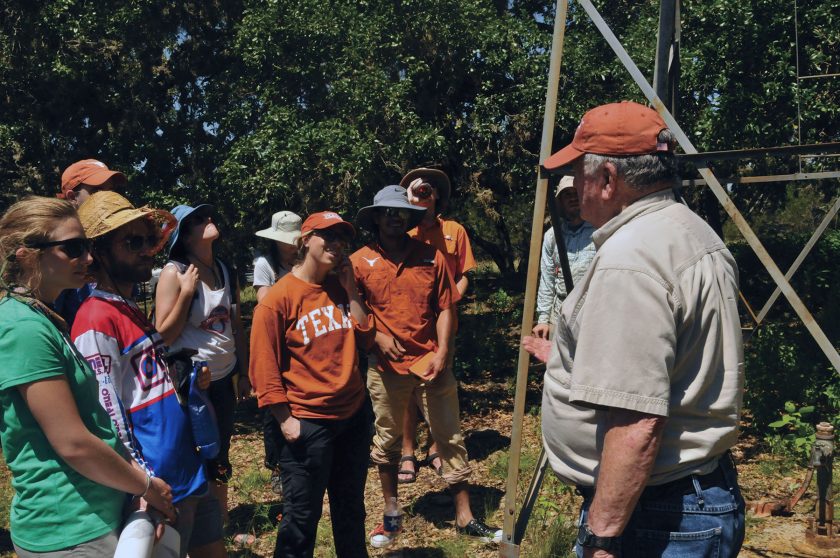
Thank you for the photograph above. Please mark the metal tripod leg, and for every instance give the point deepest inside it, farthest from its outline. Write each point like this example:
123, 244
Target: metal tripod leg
530, 498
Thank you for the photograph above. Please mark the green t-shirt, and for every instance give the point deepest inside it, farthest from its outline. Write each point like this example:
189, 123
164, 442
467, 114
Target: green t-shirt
54, 506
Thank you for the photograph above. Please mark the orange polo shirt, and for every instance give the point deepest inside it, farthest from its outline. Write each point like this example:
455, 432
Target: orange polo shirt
450, 238
405, 298
303, 349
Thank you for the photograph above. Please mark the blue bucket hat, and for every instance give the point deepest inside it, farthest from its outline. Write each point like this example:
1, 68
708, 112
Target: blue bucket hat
181, 212
390, 196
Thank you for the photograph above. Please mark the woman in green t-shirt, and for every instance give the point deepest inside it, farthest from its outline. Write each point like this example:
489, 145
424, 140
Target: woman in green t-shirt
69, 471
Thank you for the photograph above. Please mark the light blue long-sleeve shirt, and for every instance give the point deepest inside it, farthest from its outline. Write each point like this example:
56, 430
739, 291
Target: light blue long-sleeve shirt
552, 290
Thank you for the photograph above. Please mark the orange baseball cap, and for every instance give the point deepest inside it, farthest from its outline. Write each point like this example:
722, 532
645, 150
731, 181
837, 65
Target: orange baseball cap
89, 172
624, 128
326, 220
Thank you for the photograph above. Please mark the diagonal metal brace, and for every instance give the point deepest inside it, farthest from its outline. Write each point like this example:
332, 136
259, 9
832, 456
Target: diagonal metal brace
728, 206
800, 258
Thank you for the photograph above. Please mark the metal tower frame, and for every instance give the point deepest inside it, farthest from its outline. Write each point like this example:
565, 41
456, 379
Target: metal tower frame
662, 96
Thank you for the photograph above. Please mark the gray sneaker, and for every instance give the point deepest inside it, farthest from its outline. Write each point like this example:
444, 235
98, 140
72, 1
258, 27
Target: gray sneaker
276, 483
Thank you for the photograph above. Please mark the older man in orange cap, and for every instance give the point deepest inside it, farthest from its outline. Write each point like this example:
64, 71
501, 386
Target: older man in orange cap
643, 386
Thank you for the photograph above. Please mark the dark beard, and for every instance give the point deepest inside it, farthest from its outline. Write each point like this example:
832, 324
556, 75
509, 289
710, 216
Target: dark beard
122, 272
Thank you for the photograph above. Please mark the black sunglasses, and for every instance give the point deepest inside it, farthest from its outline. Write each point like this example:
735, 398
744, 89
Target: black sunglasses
73, 247
137, 243
403, 214
331, 236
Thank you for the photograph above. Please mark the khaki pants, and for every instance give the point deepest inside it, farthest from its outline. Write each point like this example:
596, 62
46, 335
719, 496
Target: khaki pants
391, 393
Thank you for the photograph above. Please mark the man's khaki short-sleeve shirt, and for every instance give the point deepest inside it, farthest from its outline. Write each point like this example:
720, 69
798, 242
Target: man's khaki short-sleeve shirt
653, 327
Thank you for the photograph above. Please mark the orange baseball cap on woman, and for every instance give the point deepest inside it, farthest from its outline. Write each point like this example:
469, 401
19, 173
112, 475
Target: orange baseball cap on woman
624, 128
326, 220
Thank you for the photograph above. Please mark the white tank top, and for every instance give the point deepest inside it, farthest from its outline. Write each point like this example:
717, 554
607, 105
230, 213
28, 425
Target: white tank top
208, 328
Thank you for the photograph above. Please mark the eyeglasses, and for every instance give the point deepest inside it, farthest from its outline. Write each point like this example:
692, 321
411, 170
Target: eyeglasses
330, 236
137, 243
403, 214
72, 247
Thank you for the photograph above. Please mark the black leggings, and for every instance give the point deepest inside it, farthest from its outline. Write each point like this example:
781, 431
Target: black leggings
224, 403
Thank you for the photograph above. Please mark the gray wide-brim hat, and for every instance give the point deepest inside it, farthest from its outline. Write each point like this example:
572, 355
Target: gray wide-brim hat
285, 228
390, 196
436, 178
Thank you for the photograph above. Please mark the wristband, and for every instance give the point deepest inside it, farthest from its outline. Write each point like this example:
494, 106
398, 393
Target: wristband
148, 484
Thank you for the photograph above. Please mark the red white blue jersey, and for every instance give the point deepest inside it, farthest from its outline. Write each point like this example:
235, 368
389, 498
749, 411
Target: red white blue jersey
127, 354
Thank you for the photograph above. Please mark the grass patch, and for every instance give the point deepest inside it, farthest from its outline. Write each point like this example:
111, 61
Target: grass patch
456, 547
324, 547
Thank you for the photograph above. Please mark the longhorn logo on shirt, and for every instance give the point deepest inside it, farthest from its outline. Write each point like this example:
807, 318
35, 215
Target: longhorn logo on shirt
217, 320
320, 321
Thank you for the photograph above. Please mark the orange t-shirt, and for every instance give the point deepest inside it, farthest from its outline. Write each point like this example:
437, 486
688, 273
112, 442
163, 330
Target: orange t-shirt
303, 349
450, 238
405, 298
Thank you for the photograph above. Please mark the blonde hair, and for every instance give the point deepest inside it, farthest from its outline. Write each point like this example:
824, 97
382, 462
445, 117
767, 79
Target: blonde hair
29, 221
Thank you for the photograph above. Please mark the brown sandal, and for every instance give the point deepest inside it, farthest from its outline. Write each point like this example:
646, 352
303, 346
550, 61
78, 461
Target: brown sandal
430, 458
412, 475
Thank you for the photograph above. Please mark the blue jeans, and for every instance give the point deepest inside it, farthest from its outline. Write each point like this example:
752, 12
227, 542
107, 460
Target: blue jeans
693, 517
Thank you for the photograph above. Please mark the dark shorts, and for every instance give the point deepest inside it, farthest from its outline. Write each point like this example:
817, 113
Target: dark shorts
199, 521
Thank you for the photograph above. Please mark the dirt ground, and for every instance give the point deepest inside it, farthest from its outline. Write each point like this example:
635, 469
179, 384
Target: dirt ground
429, 524
429, 521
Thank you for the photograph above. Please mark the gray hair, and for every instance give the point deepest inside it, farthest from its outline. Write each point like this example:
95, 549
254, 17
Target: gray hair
644, 173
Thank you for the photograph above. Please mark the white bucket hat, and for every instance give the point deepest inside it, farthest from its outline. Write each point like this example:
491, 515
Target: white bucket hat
285, 227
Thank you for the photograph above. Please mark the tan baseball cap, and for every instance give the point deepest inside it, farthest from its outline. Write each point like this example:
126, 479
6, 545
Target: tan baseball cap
565, 183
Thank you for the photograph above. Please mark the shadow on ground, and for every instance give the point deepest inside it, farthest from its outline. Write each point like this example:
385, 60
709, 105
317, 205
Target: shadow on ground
422, 552
257, 518
6, 541
248, 417
481, 443
438, 507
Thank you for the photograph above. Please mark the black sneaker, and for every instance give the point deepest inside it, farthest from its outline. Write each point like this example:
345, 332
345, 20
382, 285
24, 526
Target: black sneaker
482, 532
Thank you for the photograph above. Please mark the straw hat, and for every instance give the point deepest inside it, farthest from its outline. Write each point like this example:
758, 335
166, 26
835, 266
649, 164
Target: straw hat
106, 211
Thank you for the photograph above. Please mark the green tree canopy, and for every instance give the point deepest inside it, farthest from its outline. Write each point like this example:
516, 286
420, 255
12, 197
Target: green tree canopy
263, 105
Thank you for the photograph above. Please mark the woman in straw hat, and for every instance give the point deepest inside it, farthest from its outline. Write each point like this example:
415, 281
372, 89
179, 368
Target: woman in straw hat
197, 307
305, 368
69, 468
